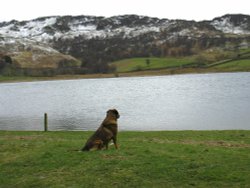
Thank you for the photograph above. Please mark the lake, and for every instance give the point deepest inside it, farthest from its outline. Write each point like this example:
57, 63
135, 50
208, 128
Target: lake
178, 102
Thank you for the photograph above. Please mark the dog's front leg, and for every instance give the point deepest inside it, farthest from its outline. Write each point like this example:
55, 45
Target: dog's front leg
107, 146
114, 140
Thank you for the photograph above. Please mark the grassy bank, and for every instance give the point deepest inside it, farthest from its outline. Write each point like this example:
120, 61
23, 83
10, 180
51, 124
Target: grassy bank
145, 159
159, 72
6, 79
153, 67
139, 64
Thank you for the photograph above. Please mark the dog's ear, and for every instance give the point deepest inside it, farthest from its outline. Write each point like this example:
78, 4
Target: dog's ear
116, 113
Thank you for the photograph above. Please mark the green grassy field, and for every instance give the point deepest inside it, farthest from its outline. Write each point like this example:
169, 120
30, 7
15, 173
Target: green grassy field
138, 64
4, 79
14, 78
177, 65
145, 159
237, 65
154, 66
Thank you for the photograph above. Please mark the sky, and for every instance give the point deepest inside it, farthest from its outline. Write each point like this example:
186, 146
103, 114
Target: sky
171, 9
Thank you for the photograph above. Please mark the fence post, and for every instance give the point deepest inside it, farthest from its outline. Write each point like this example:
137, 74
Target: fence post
45, 122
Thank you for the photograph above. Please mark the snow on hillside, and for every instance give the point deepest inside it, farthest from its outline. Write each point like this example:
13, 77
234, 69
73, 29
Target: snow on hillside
225, 25
87, 28
29, 30
47, 33
128, 26
13, 45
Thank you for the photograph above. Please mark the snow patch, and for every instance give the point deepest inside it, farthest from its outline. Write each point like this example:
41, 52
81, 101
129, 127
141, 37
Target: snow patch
226, 26
43, 30
32, 29
86, 27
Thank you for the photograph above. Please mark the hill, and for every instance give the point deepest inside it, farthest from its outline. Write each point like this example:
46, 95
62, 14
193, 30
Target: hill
86, 44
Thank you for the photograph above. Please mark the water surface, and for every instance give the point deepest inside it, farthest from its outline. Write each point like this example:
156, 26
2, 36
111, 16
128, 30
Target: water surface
179, 102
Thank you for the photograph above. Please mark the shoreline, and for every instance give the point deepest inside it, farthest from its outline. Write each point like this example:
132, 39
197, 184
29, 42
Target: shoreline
162, 72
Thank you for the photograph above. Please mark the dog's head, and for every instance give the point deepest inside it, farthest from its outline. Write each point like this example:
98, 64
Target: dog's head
114, 113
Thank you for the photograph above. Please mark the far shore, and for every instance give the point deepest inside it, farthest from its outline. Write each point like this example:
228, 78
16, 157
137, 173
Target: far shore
162, 72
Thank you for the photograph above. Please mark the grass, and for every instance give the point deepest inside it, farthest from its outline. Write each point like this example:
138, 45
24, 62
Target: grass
15, 78
237, 65
145, 159
156, 66
138, 64
162, 66
4, 79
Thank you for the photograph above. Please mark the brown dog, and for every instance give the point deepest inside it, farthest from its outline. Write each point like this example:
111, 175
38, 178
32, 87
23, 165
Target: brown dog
106, 132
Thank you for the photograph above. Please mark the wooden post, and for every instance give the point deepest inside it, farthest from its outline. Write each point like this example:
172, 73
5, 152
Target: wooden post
45, 122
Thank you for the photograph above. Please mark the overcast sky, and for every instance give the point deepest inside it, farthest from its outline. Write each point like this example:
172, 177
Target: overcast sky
172, 9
